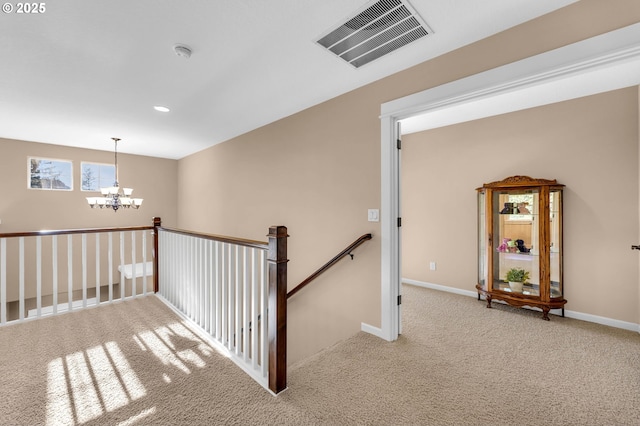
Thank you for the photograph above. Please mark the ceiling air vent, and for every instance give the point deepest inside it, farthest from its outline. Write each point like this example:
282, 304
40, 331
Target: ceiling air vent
380, 28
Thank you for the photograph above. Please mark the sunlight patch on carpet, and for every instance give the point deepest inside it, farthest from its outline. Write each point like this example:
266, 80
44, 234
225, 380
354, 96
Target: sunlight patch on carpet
135, 419
175, 345
163, 352
84, 385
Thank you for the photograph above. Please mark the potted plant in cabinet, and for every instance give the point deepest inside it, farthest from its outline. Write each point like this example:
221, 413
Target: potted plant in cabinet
517, 277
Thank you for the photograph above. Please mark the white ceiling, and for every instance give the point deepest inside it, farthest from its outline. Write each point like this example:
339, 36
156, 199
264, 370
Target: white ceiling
85, 71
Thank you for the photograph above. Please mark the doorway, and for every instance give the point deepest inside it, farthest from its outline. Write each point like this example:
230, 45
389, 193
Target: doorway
607, 62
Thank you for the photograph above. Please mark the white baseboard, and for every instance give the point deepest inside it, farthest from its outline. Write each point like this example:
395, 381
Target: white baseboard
440, 287
569, 314
62, 307
372, 330
603, 320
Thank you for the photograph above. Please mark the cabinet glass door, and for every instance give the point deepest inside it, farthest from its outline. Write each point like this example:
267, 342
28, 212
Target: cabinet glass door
515, 240
482, 241
555, 238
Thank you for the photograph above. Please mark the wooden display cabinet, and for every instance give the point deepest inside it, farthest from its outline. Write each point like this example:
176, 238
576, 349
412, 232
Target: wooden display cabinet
520, 226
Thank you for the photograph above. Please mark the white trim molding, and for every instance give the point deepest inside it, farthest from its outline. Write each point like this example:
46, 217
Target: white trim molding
389, 234
439, 287
603, 63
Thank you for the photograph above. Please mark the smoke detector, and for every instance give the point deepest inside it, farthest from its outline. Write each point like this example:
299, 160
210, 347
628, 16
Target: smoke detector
182, 51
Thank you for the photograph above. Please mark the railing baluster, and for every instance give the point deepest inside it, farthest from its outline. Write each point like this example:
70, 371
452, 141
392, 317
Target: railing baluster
238, 302
195, 311
84, 270
144, 263
38, 276
172, 253
189, 268
255, 325
213, 272
159, 253
194, 280
172, 243
97, 269
207, 286
134, 280
193, 276
164, 252
181, 277
264, 301
122, 261
225, 296
69, 273
178, 275
175, 254
195, 287
54, 270
21, 262
232, 297
202, 283
3, 281
110, 263
184, 277
246, 310
218, 308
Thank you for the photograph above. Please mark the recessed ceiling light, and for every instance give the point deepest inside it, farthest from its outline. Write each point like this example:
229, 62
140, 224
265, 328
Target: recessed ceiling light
161, 108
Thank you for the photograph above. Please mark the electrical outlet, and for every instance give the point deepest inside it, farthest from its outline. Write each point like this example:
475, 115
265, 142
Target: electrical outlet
432, 266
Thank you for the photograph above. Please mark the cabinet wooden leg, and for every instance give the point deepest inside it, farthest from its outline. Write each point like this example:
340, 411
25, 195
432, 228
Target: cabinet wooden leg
488, 301
545, 314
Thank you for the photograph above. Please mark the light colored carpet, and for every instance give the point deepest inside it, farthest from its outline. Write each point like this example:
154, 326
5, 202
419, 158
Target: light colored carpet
457, 363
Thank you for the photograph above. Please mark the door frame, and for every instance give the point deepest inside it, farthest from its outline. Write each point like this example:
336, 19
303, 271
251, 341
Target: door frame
603, 63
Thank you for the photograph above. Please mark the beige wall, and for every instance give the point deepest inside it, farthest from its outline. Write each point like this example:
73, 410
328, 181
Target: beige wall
588, 144
318, 172
24, 209
317, 175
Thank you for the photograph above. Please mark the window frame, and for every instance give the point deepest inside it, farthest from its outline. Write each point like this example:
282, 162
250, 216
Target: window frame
109, 184
56, 160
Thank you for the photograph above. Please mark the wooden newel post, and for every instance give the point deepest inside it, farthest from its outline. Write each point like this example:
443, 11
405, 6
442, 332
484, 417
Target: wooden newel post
277, 260
157, 223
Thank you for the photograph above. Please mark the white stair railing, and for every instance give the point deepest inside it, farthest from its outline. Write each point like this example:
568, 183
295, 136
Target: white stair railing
32, 270
221, 285
235, 290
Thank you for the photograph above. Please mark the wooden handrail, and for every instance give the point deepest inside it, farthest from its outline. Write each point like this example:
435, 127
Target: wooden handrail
329, 264
221, 238
73, 231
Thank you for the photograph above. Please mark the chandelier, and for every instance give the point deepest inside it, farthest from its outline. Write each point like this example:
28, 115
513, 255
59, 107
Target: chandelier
111, 195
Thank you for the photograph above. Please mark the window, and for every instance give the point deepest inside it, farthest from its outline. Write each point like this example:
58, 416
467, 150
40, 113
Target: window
50, 174
95, 176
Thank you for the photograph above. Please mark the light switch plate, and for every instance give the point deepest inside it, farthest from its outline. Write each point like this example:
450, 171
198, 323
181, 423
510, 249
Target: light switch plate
374, 215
